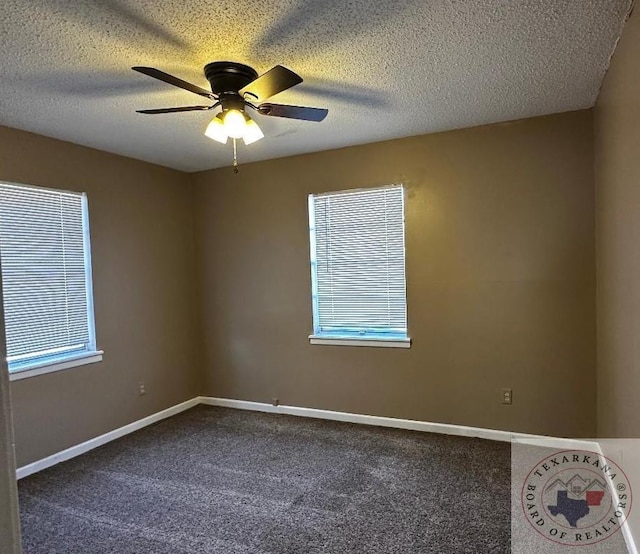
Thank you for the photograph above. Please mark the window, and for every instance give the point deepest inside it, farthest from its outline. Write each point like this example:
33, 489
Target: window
46, 279
358, 267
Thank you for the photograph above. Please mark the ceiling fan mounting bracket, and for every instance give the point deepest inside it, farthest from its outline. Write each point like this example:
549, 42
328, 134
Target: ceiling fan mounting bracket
231, 101
227, 77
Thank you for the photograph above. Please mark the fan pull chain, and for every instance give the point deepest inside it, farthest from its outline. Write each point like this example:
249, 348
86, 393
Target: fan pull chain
235, 157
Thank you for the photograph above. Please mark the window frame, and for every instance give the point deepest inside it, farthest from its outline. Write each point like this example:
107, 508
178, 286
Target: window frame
61, 361
352, 336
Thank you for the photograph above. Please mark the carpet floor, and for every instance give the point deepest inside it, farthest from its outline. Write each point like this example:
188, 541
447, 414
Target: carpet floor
223, 481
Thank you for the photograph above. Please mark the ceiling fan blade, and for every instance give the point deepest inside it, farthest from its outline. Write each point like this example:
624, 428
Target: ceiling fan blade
293, 112
175, 81
174, 110
272, 82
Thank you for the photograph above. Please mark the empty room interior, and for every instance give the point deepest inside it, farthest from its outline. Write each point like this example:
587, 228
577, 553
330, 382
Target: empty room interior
314, 318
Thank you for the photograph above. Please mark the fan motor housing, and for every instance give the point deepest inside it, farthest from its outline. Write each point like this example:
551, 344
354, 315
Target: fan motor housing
226, 77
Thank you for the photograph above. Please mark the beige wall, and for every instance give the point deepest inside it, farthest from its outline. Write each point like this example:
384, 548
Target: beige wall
142, 246
617, 154
500, 270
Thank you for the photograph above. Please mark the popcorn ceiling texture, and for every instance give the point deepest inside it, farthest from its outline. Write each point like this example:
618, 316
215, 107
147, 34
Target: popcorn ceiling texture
385, 69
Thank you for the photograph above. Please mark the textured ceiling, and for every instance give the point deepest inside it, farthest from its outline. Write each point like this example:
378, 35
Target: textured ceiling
384, 68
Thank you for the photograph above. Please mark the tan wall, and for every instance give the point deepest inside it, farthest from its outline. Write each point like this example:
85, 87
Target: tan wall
617, 154
500, 270
142, 247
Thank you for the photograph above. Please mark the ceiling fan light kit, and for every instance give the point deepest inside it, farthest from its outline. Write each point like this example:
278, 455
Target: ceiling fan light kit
233, 124
234, 88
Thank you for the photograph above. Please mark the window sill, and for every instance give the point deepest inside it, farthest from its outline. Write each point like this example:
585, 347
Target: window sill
352, 341
49, 367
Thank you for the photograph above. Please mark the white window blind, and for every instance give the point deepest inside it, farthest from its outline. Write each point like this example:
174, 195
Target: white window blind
358, 263
46, 275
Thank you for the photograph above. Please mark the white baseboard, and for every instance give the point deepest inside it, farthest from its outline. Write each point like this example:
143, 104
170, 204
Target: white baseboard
410, 424
74, 451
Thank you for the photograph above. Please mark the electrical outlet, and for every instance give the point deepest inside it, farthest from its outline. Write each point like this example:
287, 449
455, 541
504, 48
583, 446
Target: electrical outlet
275, 401
141, 388
507, 396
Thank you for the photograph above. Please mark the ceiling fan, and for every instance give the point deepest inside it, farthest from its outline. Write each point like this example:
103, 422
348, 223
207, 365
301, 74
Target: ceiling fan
235, 87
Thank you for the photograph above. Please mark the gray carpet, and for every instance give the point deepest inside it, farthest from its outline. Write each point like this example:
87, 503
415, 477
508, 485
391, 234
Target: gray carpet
216, 480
